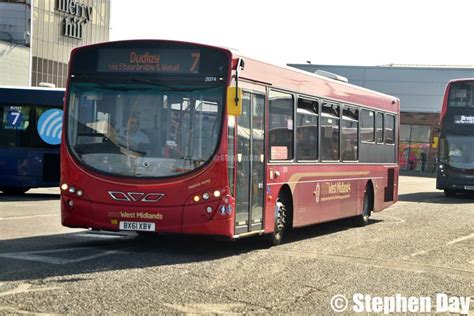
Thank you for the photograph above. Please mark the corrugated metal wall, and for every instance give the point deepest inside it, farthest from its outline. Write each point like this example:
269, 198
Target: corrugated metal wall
420, 89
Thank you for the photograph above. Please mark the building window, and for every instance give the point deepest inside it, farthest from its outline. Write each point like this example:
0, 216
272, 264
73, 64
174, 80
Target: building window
307, 129
281, 126
414, 146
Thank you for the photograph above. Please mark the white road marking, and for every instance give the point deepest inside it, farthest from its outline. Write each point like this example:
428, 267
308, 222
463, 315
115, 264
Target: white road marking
422, 252
40, 256
455, 241
26, 217
24, 288
15, 311
397, 219
196, 309
105, 236
380, 263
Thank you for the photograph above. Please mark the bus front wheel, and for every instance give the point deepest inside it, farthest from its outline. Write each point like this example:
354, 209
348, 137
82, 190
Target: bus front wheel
14, 191
276, 237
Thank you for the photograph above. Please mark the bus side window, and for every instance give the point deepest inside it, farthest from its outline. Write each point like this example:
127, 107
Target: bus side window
367, 126
281, 126
349, 129
330, 131
307, 129
389, 129
379, 128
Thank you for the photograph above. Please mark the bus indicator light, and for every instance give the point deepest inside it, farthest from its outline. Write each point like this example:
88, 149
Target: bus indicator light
223, 210
196, 198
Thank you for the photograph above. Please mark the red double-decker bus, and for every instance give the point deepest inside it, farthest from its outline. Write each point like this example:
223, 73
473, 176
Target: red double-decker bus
456, 144
174, 137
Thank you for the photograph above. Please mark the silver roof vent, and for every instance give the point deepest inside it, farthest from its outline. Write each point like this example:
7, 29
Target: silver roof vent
331, 75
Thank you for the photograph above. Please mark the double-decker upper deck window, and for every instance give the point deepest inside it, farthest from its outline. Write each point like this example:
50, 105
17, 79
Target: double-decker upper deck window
460, 95
379, 128
389, 129
281, 126
367, 126
350, 127
307, 129
330, 114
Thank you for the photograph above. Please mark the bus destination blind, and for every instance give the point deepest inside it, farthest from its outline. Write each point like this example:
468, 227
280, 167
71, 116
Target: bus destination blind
168, 61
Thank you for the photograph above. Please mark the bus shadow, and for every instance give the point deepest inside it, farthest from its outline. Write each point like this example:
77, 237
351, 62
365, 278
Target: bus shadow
328, 228
132, 252
436, 198
29, 197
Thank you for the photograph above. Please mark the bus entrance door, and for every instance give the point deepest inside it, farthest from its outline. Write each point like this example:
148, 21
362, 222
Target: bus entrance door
250, 165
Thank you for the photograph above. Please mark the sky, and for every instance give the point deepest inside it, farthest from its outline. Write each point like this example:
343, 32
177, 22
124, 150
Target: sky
329, 32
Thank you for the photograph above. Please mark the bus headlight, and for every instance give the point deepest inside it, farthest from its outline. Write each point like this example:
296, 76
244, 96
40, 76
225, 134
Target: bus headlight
64, 186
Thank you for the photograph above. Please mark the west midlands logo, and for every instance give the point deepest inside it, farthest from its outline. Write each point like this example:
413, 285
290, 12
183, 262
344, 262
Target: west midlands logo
50, 125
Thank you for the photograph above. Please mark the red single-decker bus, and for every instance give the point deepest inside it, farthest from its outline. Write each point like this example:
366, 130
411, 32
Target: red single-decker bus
174, 137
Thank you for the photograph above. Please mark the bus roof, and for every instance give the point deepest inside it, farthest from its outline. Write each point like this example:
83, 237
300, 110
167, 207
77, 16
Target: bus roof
460, 80
292, 79
31, 96
296, 80
32, 88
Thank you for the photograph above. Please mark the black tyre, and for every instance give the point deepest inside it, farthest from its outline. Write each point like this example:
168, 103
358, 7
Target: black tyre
276, 237
364, 218
14, 191
449, 193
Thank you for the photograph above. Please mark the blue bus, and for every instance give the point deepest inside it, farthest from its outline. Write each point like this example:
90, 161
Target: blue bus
30, 134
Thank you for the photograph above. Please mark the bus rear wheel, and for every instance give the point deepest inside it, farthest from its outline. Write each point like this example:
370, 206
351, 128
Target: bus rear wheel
364, 218
276, 237
14, 191
449, 192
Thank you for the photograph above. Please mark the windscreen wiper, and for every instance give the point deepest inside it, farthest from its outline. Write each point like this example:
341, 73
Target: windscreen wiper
173, 88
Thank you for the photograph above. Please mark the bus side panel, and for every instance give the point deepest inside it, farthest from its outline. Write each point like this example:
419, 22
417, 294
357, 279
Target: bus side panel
326, 192
25, 167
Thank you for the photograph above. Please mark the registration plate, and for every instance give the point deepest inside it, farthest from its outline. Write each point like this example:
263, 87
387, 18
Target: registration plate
138, 226
469, 187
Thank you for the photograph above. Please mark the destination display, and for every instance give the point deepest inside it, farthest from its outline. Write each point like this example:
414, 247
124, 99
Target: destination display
464, 119
136, 60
